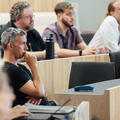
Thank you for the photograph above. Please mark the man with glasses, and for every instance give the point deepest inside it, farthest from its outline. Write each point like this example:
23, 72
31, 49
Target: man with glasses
21, 16
66, 36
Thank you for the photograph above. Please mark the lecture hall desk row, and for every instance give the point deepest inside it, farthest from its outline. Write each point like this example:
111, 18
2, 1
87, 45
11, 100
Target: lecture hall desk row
55, 73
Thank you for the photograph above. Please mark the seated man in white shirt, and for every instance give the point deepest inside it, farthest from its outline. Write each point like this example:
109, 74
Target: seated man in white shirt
108, 33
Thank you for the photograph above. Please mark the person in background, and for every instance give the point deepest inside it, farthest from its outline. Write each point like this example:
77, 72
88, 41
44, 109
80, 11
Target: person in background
6, 100
27, 87
22, 17
108, 33
66, 36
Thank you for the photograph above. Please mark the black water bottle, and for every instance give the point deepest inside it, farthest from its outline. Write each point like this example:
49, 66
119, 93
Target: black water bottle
50, 47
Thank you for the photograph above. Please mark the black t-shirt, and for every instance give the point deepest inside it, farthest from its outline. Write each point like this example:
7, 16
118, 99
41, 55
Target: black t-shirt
18, 75
33, 37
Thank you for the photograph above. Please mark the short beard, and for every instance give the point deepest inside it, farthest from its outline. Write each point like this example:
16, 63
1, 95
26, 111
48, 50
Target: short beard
20, 56
66, 23
28, 28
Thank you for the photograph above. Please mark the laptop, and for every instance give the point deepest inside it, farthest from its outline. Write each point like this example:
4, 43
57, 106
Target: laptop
50, 109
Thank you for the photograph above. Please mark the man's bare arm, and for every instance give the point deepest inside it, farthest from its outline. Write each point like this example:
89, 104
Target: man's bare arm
38, 54
70, 53
33, 88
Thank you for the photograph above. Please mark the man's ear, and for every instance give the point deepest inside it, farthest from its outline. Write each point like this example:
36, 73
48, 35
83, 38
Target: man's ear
10, 45
111, 13
59, 15
17, 19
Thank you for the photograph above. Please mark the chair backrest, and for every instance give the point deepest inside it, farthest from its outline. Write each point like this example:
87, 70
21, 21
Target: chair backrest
87, 37
83, 73
115, 57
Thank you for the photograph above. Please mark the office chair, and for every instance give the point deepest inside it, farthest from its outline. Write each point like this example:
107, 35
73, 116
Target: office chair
83, 73
87, 37
115, 57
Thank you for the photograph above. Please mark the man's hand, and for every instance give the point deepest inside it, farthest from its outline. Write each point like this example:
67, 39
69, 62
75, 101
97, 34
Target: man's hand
16, 112
102, 49
35, 101
89, 51
30, 59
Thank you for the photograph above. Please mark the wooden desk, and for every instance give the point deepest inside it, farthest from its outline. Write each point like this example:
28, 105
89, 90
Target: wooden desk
104, 100
55, 73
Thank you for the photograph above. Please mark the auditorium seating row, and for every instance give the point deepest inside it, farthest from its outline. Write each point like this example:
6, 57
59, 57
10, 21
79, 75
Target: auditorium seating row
43, 20
56, 73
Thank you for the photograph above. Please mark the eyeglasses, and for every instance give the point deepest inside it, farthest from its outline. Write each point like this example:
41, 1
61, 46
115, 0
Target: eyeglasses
29, 17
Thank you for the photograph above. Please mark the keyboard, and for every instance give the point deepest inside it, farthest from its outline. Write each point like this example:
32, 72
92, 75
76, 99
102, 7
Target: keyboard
49, 109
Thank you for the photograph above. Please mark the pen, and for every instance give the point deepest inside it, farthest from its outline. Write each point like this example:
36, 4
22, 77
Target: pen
30, 46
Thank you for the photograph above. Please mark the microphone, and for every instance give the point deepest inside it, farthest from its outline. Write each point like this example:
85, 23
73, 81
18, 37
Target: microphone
54, 118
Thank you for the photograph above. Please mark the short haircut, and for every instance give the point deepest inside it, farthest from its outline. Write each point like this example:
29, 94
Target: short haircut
17, 10
10, 35
62, 6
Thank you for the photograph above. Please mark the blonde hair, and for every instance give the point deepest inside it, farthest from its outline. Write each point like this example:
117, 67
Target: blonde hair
62, 6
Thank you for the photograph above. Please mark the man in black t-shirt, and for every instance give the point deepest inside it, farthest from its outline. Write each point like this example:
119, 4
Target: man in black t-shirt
19, 75
27, 87
21, 16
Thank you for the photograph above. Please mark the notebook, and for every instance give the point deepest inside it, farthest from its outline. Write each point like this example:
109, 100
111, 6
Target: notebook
49, 109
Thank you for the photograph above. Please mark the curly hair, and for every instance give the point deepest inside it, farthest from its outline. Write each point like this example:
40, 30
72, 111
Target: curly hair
17, 9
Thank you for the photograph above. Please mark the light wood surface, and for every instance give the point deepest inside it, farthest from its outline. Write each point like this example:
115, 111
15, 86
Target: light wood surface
114, 102
37, 5
105, 106
82, 111
55, 73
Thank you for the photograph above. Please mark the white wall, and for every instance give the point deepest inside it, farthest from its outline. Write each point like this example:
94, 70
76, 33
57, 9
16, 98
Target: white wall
89, 13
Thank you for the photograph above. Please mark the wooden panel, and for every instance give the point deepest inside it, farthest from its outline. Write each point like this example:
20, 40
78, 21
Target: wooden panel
98, 103
105, 106
37, 5
55, 73
115, 103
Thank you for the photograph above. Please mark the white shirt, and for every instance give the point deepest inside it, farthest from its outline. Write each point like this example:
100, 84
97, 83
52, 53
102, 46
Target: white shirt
107, 35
